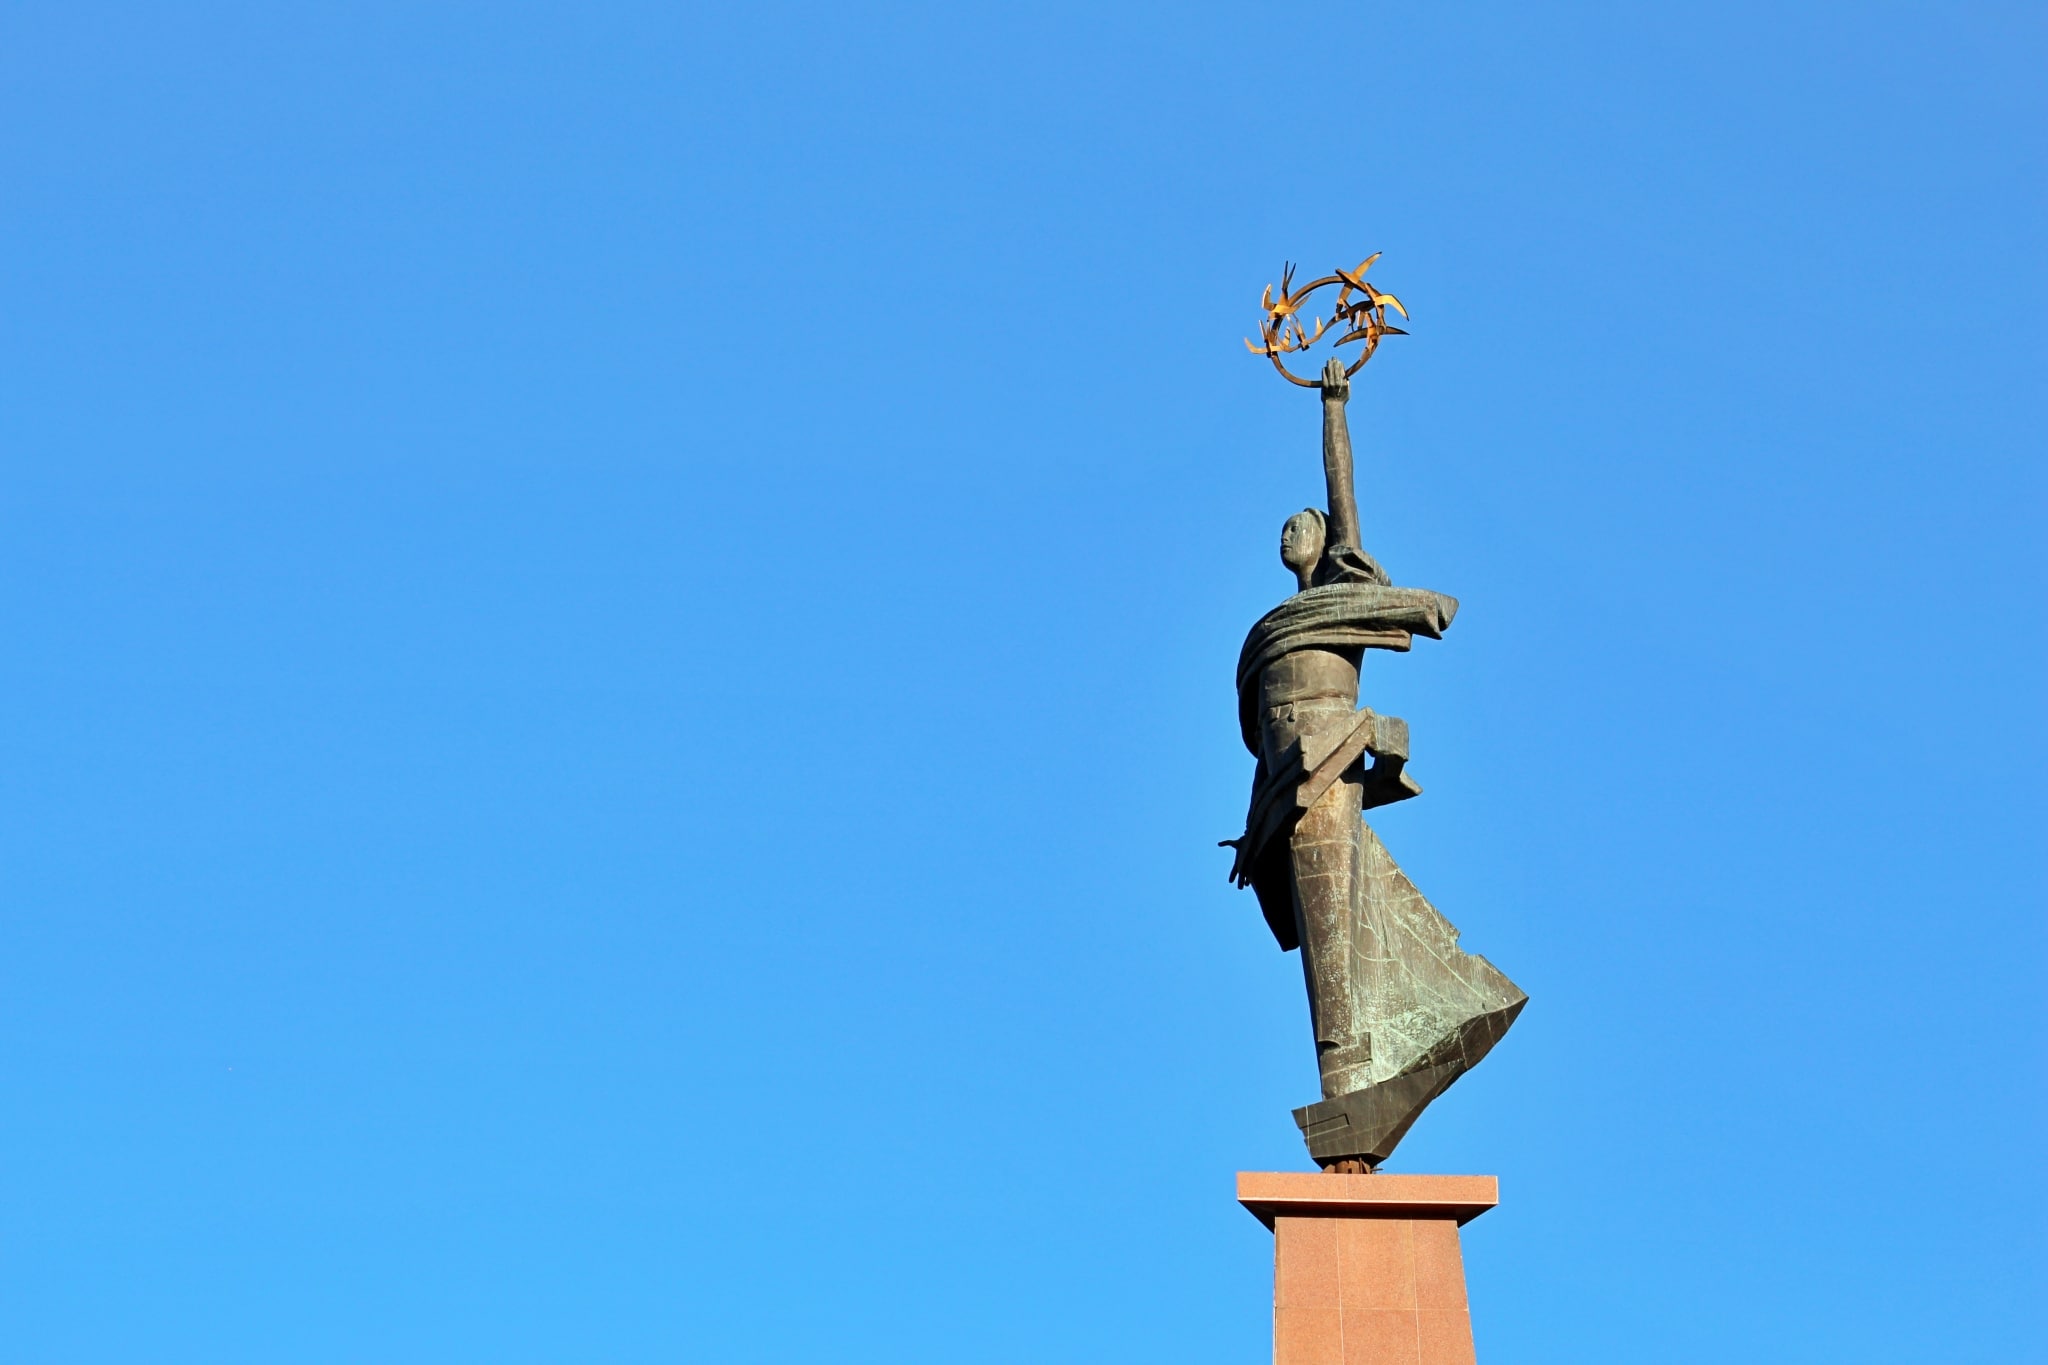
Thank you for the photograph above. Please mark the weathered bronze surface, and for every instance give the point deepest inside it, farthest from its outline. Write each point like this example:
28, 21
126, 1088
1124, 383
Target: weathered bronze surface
1399, 1010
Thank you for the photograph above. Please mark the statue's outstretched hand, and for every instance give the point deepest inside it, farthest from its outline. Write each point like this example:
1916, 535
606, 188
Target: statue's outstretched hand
1335, 385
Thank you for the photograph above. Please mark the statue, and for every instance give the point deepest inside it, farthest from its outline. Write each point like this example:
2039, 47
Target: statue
1399, 1010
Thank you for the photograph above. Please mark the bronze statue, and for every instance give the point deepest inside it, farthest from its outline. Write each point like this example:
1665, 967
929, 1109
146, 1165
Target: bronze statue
1399, 1011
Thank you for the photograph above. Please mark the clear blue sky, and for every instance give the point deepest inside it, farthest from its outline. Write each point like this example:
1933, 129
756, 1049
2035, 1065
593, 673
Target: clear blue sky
619, 625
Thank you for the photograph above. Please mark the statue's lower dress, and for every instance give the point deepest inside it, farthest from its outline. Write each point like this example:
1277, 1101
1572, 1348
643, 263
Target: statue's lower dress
1399, 1010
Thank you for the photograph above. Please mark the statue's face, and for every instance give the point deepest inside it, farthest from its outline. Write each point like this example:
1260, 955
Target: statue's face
1301, 541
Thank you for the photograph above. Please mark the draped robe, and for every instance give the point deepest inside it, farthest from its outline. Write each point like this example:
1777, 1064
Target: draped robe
1399, 1010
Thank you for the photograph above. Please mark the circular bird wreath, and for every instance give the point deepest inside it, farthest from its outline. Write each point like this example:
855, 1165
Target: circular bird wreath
1362, 308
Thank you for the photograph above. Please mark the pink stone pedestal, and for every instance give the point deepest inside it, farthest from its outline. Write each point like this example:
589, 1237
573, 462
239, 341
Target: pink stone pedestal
1366, 1268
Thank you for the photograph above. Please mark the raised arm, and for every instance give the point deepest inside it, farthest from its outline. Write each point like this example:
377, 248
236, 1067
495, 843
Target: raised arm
1343, 533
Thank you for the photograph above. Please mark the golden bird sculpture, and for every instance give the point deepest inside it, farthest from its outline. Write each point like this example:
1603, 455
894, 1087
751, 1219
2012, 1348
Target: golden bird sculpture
1280, 327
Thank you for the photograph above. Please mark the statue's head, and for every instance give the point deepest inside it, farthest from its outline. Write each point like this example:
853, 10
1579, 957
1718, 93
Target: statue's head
1301, 543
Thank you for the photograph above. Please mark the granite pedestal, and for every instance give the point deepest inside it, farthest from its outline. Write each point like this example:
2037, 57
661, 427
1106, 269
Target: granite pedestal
1366, 1268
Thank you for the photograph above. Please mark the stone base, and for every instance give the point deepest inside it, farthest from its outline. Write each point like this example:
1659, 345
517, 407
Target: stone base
1366, 1268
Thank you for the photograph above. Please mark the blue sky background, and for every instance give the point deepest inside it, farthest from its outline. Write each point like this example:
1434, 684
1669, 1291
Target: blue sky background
619, 626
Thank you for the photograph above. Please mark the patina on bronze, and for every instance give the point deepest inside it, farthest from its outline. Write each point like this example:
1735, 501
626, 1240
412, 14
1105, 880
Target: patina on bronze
1399, 1010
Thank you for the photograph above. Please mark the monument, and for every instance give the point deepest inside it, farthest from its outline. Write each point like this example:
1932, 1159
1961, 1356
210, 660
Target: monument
1367, 1266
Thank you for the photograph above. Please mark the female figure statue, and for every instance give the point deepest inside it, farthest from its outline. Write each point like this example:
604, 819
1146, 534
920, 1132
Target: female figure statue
1399, 1011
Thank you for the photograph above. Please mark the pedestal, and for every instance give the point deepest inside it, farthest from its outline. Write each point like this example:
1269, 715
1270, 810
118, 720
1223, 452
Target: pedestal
1366, 1268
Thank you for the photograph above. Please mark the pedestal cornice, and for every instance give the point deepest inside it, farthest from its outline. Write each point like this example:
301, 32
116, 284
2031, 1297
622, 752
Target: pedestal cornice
1303, 1194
